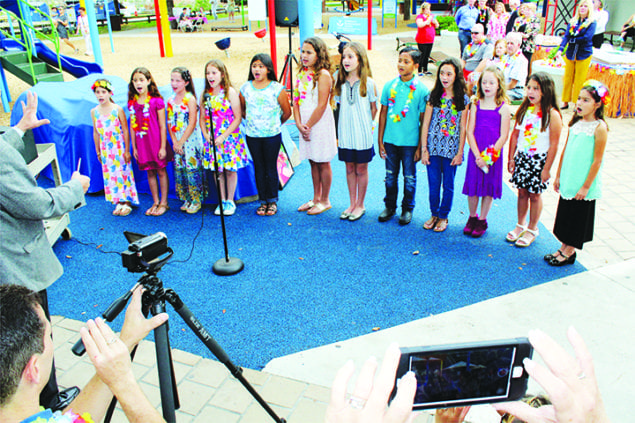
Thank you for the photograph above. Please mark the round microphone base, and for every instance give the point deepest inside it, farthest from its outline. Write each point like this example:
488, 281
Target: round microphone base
228, 267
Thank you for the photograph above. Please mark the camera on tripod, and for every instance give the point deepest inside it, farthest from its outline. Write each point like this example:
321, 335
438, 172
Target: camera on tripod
146, 253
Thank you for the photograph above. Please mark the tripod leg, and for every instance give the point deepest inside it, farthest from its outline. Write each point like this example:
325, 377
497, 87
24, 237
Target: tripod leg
167, 381
202, 333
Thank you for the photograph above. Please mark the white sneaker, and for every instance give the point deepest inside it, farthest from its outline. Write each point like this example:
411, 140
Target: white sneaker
217, 211
229, 208
185, 206
193, 208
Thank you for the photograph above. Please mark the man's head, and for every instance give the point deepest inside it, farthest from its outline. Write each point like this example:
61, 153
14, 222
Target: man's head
471, 3
513, 4
478, 33
514, 41
26, 347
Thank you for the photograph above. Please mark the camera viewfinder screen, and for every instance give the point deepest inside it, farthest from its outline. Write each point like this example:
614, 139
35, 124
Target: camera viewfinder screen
462, 375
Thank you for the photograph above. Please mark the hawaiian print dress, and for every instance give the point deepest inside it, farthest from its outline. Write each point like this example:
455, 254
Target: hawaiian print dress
119, 185
189, 173
232, 154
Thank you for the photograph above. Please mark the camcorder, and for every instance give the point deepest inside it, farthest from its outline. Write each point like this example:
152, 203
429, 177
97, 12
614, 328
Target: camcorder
458, 375
146, 253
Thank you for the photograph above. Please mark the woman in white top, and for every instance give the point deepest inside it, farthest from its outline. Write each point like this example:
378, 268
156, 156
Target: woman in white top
601, 19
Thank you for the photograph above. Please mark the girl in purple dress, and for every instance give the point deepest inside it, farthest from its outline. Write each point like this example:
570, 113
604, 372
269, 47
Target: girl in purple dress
148, 136
487, 131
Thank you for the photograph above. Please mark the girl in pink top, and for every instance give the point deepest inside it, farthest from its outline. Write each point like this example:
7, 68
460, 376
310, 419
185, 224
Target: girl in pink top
426, 27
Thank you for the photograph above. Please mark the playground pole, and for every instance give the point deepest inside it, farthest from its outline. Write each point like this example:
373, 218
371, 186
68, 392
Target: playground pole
94, 32
112, 46
165, 24
305, 15
157, 12
370, 26
272, 34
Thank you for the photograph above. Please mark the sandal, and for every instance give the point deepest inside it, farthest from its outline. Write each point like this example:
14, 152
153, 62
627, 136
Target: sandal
125, 210
262, 210
430, 223
317, 209
306, 206
152, 210
512, 236
441, 225
161, 209
523, 241
272, 208
117, 210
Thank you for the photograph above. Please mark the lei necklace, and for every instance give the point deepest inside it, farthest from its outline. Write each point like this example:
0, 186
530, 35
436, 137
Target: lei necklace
178, 121
482, 14
68, 417
141, 129
532, 128
448, 129
302, 85
507, 61
575, 32
470, 46
396, 117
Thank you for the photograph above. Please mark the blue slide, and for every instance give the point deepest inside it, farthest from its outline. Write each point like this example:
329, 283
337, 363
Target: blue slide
77, 68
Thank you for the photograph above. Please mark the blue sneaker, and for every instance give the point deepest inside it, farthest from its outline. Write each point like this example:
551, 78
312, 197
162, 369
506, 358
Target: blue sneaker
229, 208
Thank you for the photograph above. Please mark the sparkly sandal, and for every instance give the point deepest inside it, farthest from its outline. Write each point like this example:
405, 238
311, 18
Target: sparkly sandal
272, 209
262, 210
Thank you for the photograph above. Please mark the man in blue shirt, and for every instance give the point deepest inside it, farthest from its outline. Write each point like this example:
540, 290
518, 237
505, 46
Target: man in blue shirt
465, 19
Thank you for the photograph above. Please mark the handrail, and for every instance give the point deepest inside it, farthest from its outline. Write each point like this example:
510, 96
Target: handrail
11, 35
54, 37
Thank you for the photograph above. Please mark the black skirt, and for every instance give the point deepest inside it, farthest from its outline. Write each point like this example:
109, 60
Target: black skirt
574, 222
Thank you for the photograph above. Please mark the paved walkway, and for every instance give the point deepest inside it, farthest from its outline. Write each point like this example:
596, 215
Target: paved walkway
598, 302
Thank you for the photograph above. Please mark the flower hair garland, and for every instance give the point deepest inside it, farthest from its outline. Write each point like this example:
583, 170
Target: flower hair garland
103, 83
600, 89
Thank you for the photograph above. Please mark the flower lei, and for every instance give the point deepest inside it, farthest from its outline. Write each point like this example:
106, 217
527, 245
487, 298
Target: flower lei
530, 134
490, 155
103, 84
396, 117
575, 32
482, 14
600, 89
178, 121
68, 417
143, 128
507, 60
471, 45
302, 86
448, 129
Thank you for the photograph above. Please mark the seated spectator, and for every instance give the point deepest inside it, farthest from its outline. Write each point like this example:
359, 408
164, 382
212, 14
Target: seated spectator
570, 383
500, 50
515, 67
26, 355
475, 52
185, 23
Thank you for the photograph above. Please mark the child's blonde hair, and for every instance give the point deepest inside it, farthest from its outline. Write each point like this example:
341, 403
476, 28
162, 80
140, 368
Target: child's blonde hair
363, 69
501, 92
424, 6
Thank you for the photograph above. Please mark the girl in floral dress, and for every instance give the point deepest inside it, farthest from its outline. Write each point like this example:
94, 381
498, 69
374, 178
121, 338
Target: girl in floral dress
110, 133
314, 119
224, 102
189, 173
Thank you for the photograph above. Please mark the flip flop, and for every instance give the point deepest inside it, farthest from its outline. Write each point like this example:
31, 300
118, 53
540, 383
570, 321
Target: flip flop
152, 210
125, 210
161, 209
117, 210
441, 225
306, 206
317, 209
430, 223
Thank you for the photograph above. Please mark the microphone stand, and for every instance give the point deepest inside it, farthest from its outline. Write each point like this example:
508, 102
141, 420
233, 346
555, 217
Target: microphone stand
226, 266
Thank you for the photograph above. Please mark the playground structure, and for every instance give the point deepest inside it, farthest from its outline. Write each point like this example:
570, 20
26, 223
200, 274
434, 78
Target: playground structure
26, 56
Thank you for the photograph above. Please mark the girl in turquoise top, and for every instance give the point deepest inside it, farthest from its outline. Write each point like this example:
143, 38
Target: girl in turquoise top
578, 178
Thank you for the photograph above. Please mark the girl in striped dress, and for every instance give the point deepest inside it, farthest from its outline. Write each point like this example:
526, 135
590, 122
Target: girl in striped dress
356, 93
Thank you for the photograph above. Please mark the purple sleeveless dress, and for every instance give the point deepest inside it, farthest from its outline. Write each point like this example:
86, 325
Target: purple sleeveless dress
487, 131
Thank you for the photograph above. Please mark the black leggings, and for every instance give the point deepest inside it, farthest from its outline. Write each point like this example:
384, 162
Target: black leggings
264, 153
425, 50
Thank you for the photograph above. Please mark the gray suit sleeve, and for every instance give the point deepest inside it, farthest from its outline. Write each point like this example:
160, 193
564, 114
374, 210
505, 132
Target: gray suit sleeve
20, 195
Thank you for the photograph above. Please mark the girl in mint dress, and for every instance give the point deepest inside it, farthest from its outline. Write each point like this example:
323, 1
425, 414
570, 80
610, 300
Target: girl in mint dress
110, 133
578, 178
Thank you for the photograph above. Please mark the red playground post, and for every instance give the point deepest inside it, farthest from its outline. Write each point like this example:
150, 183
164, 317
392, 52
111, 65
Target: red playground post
370, 26
272, 34
159, 29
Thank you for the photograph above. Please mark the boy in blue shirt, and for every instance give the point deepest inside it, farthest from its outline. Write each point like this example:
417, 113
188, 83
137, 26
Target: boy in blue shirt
403, 102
